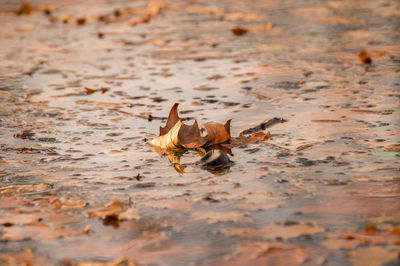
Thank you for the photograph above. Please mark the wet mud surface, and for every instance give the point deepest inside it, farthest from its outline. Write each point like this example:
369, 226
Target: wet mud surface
85, 85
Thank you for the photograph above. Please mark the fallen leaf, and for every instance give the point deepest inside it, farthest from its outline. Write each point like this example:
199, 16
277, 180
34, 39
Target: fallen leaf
364, 57
47, 10
25, 9
176, 134
89, 90
268, 26
25, 134
216, 132
371, 229
80, 21
65, 18
154, 8
238, 31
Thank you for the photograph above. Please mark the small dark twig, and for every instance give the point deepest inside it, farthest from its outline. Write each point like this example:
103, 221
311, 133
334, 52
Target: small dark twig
263, 126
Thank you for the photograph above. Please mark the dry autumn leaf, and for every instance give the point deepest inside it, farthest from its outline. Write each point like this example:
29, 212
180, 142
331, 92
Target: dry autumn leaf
176, 134
217, 133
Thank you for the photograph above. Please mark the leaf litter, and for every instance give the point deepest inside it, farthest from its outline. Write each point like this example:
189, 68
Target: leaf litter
302, 194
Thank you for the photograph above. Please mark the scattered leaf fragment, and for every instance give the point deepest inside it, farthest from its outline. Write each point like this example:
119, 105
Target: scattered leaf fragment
47, 10
268, 26
371, 229
89, 91
25, 134
238, 31
25, 9
80, 21
364, 57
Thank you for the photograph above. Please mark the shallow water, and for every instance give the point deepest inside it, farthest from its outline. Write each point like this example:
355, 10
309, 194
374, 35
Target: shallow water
304, 196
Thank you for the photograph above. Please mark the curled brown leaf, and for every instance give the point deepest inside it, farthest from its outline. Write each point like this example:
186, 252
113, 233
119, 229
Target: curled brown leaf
217, 133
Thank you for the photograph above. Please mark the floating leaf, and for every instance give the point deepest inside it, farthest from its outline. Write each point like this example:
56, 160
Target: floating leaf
364, 57
25, 9
176, 134
238, 31
217, 133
